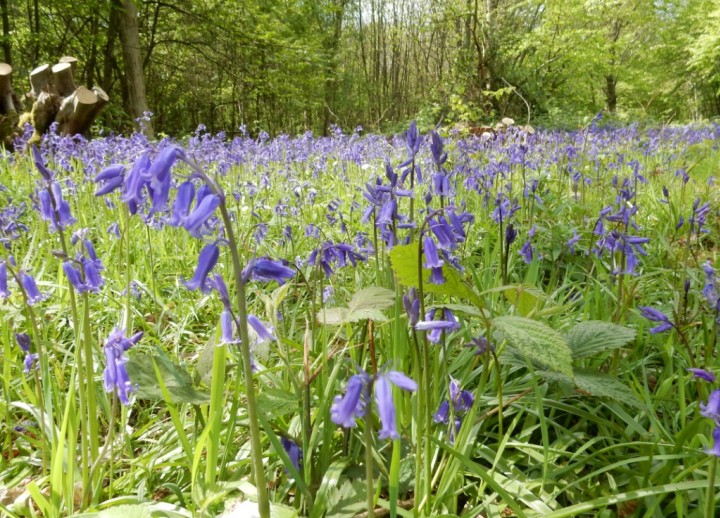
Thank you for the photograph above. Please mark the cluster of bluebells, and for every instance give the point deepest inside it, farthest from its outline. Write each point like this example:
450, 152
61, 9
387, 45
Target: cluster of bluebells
354, 404
657, 316
53, 207
115, 377
24, 342
331, 256
27, 282
455, 408
84, 271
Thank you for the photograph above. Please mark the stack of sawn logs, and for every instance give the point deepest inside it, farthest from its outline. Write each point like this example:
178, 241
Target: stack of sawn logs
54, 97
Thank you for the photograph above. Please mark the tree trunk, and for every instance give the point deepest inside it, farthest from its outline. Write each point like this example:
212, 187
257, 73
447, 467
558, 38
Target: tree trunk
331, 65
5, 13
130, 38
611, 92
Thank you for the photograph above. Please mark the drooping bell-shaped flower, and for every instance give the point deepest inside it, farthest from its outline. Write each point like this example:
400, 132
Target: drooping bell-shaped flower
4, 291
31, 290
115, 376
352, 405
208, 258
385, 403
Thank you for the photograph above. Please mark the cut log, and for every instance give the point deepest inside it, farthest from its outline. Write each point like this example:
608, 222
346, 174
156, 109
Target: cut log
102, 100
6, 94
40, 80
69, 59
64, 82
44, 111
77, 112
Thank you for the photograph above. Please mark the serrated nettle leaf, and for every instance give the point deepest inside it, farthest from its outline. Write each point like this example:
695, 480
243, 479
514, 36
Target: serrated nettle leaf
366, 304
537, 341
595, 336
177, 381
404, 262
373, 297
472, 311
525, 297
604, 385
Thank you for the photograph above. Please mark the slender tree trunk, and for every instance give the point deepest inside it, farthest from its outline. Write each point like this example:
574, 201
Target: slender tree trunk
137, 103
5, 12
611, 92
333, 45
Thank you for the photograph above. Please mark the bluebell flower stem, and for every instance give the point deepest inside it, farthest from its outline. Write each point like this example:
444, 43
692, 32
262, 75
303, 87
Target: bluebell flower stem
90, 391
217, 398
710, 494
369, 471
255, 444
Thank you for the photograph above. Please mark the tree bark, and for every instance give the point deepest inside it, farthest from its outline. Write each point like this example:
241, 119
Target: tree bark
611, 92
130, 38
5, 13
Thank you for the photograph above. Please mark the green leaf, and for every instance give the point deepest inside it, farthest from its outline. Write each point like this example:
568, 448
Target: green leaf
594, 336
126, 511
330, 481
524, 297
177, 381
404, 261
537, 341
603, 385
366, 304
276, 403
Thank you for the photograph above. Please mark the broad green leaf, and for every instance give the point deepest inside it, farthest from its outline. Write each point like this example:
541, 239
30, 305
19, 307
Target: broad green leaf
603, 385
126, 511
366, 304
594, 336
329, 481
524, 297
459, 308
178, 382
404, 261
275, 403
537, 341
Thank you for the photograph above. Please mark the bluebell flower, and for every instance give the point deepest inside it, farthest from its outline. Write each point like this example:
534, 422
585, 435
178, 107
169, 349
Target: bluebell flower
432, 259
346, 409
4, 291
715, 450
264, 333
24, 342
712, 409
655, 315
112, 178
573, 241
218, 284
703, 374
293, 451
266, 270
227, 328
136, 180
40, 164
115, 376
183, 201
449, 323
510, 234
31, 290
203, 211
160, 178
527, 252
384, 400
411, 304
208, 258
480, 344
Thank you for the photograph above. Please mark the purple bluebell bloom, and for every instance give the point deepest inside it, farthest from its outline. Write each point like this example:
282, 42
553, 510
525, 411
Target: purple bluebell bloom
384, 400
527, 252
135, 181
510, 234
712, 409
31, 290
115, 376
655, 315
411, 303
263, 332
203, 211
4, 291
266, 270
573, 241
40, 164
346, 409
432, 259
715, 450
293, 451
227, 328
183, 201
703, 374
710, 288
218, 284
208, 258
436, 327
24, 342
160, 178
480, 344
111, 177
